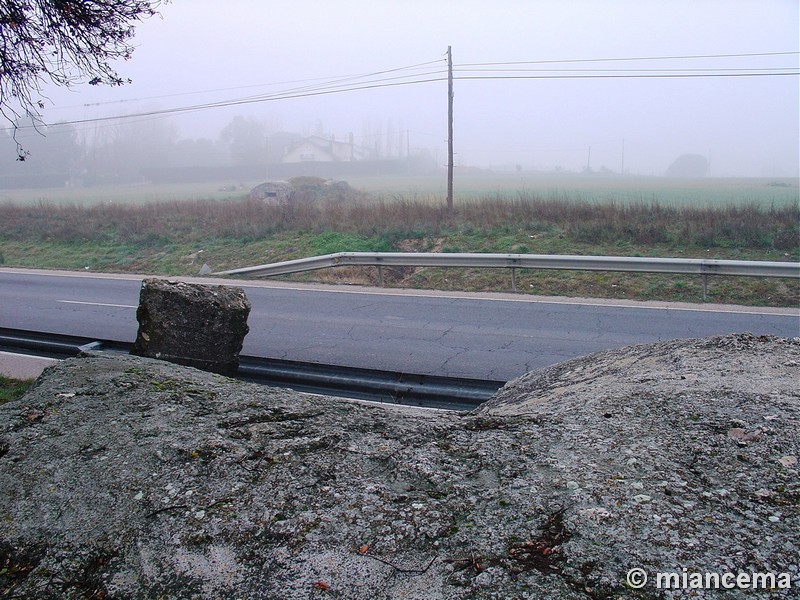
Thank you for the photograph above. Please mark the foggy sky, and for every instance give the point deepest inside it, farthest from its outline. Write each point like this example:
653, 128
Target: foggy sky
208, 51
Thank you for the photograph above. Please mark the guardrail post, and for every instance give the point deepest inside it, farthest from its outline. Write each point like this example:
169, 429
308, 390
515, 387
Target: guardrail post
705, 287
380, 275
514, 279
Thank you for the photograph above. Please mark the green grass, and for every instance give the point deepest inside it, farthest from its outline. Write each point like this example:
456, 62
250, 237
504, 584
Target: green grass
11, 389
330, 242
763, 192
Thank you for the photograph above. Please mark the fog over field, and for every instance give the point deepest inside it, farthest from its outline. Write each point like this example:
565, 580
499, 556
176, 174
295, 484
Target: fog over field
607, 87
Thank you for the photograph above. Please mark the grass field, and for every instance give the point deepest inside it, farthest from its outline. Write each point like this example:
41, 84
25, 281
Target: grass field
124, 194
674, 192
762, 192
174, 230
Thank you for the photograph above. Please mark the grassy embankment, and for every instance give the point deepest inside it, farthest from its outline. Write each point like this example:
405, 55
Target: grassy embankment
11, 389
176, 238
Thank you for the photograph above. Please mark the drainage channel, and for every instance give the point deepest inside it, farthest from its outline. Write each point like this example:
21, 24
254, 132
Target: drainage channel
430, 391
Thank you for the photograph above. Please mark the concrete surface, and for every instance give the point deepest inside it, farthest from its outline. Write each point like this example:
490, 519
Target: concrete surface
22, 366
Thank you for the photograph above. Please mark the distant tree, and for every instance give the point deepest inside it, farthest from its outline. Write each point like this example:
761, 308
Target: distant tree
688, 165
125, 149
201, 152
246, 140
390, 138
56, 146
64, 149
64, 42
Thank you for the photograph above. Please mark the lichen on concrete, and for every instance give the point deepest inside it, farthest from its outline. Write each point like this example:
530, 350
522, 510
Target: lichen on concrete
126, 477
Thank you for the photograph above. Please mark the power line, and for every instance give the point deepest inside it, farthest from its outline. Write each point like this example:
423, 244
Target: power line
642, 76
322, 80
701, 70
345, 78
335, 88
242, 101
330, 85
348, 83
341, 78
630, 58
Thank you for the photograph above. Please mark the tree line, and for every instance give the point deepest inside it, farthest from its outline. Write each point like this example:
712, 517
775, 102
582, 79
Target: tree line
63, 154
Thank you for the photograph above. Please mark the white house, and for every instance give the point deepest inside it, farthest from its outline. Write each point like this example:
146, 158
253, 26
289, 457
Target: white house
319, 149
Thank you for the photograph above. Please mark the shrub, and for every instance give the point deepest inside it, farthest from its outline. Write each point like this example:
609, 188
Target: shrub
787, 239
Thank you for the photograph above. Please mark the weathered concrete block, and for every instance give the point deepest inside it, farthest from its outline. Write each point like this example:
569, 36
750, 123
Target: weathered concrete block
200, 326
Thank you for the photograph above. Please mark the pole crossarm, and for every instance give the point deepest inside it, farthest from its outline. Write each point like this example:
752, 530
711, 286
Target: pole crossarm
689, 266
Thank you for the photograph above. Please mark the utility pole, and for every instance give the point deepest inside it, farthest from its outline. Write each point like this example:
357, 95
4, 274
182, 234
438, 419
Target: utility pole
408, 151
449, 130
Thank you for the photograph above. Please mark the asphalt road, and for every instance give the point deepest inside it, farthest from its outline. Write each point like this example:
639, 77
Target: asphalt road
491, 336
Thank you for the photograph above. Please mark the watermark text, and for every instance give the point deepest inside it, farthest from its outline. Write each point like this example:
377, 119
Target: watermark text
697, 580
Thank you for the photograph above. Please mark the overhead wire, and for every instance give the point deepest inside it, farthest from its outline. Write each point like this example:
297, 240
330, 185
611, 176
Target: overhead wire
500, 70
642, 76
323, 80
327, 88
708, 70
464, 72
632, 58
345, 78
330, 86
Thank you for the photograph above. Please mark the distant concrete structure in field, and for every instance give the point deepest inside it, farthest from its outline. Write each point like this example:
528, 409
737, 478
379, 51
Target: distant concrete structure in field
278, 192
301, 189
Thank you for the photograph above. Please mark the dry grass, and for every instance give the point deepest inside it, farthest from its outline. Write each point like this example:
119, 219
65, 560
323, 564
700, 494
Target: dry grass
397, 218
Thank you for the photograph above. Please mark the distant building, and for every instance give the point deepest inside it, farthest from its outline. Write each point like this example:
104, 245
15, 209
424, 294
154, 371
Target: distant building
319, 149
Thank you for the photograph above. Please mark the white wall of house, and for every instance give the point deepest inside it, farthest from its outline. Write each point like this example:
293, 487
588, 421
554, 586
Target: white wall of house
308, 151
319, 149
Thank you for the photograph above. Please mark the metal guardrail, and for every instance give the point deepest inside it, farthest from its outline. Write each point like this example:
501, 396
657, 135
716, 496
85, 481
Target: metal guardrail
452, 393
689, 266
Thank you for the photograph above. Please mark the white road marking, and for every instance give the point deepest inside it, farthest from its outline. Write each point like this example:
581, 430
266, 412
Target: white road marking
97, 304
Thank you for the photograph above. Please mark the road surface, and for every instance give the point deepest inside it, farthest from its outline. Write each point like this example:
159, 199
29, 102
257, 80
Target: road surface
491, 336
